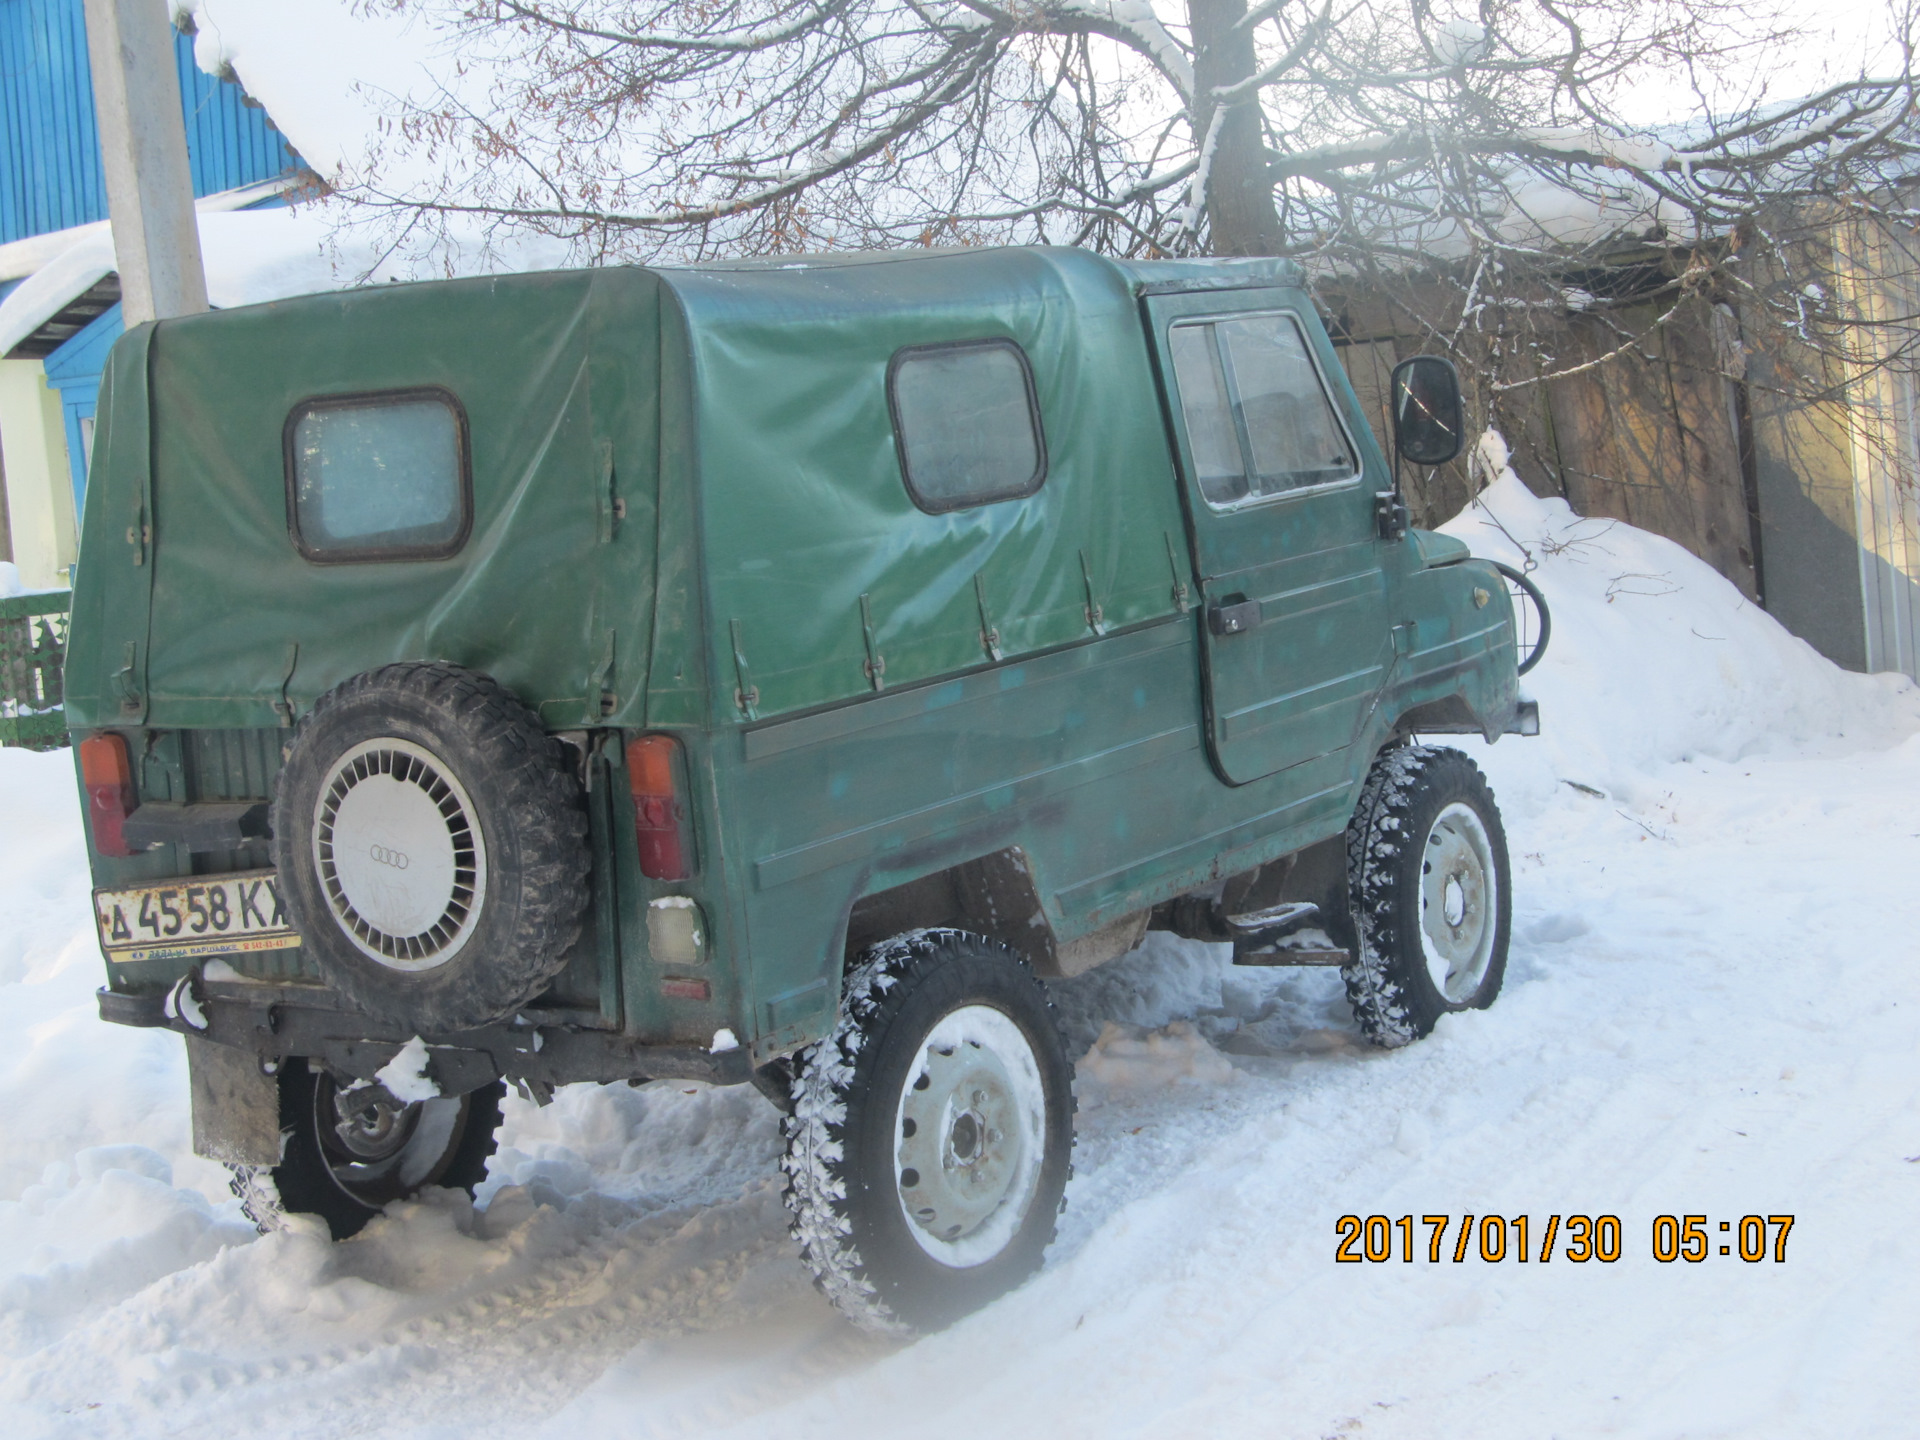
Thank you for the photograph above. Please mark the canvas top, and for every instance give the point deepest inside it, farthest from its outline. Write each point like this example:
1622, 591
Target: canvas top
680, 478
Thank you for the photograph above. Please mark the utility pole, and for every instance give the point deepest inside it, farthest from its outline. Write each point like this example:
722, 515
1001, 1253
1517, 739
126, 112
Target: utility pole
143, 150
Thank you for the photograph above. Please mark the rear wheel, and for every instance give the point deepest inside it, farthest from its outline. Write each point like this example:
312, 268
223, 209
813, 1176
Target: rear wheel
1428, 875
347, 1151
929, 1148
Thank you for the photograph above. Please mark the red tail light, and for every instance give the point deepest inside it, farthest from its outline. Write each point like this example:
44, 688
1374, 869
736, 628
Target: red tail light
659, 811
110, 794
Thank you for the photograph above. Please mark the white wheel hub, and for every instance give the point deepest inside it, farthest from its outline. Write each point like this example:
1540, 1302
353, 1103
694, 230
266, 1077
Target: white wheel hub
400, 854
970, 1136
1459, 900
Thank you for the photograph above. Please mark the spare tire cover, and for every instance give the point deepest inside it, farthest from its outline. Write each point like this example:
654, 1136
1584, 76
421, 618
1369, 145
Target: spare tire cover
431, 845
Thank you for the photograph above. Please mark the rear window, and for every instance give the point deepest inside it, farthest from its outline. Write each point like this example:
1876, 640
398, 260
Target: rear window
966, 423
378, 477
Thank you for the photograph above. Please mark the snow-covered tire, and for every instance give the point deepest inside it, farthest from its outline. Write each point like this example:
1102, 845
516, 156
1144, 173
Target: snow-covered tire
931, 1138
347, 1176
431, 845
1431, 891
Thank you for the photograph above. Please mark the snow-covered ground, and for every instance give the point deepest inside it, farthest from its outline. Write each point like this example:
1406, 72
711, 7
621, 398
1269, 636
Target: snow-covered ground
1712, 1007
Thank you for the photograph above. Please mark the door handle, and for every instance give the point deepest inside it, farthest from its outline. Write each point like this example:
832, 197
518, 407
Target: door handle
1233, 619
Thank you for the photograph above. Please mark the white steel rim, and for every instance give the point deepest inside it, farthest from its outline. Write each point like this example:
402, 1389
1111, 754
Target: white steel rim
970, 1142
400, 854
1459, 902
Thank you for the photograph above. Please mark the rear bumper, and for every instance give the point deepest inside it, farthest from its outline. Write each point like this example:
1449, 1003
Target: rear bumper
278, 1022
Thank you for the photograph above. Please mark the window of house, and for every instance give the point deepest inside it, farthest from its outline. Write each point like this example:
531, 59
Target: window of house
1258, 419
966, 423
379, 477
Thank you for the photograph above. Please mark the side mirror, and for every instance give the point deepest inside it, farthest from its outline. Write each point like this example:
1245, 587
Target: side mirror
1428, 422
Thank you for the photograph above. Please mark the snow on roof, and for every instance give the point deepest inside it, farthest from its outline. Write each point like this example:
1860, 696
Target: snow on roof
325, 71
252, 256
321, 68
25, 256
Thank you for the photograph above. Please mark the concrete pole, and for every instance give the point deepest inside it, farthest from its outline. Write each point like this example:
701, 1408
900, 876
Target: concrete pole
143, 150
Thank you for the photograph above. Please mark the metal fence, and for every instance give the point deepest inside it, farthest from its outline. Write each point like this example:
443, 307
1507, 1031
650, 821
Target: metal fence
33, 648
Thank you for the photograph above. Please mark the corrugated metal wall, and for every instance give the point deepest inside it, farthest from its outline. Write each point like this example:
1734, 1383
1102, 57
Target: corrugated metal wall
1878, 262
49, 156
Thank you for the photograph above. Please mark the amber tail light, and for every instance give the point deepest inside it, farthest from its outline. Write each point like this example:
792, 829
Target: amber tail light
108, 775
659, 809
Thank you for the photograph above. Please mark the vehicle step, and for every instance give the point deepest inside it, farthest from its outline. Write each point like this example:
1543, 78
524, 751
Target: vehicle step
1300, 955
1275, 919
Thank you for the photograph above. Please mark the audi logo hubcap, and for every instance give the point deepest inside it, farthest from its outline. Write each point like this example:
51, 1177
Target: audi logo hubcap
385, 856
400, 854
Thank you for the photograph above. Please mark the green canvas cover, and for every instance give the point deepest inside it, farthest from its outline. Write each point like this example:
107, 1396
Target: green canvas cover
804, 508
687, 499
558, 376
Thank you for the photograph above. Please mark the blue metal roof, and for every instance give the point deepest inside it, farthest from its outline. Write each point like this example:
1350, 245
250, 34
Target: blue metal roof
50, 176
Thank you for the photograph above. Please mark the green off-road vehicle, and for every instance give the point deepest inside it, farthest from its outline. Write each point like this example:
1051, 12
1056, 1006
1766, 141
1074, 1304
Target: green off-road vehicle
773, 673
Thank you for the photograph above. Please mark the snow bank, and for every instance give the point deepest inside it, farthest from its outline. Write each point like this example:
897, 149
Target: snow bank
1657, 659
95, 1230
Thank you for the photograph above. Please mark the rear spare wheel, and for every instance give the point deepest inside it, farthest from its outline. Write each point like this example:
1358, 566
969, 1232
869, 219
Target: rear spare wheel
929, 1146
431, 846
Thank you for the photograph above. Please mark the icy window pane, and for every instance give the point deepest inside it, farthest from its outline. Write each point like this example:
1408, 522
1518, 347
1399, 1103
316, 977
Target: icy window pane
1203, 405
968, 431
1290, 424
379, 475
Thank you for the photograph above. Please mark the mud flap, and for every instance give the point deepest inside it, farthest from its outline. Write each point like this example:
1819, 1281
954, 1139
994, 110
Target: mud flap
1526, 719
236, 1109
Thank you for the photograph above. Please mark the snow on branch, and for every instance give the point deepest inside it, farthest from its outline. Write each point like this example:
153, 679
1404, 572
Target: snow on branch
724, 40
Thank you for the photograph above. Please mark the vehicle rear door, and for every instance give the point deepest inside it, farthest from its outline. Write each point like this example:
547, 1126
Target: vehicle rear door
1281, 517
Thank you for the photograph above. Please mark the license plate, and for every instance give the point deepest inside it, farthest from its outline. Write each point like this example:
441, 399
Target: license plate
193, 916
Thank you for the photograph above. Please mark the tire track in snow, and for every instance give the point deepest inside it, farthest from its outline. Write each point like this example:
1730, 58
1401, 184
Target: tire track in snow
465, 1364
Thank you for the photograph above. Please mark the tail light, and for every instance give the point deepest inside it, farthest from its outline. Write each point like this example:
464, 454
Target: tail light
108, 776
660, 824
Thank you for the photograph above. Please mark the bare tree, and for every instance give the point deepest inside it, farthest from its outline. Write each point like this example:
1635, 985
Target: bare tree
1299, 126
1458, 174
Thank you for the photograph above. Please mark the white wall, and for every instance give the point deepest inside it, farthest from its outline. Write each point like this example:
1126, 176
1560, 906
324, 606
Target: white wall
33, 449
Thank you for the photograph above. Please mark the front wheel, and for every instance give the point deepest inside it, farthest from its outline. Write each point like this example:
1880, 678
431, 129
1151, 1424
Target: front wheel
347, 1151
928, 1152
1429, 882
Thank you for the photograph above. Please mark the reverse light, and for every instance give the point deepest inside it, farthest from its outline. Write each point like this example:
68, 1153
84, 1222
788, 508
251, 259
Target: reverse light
108, 776
659, 810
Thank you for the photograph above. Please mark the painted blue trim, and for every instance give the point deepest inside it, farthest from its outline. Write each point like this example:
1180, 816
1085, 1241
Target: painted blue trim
84, 355
50, 176
74, 370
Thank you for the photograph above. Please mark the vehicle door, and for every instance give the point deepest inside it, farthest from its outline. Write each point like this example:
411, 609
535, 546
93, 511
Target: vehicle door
1281, 518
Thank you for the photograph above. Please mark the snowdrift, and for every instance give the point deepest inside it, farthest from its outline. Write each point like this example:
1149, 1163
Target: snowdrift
1223, 1110
1655, 657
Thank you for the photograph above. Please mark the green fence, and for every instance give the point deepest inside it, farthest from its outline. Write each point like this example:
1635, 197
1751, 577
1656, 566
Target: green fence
33, 647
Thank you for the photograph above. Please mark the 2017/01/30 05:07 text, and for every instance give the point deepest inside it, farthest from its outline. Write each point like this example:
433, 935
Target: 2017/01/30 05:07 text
1578, 1238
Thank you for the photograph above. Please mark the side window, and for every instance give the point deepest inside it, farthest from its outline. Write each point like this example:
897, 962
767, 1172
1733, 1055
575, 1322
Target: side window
378, 477
966, 424
1258, 420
